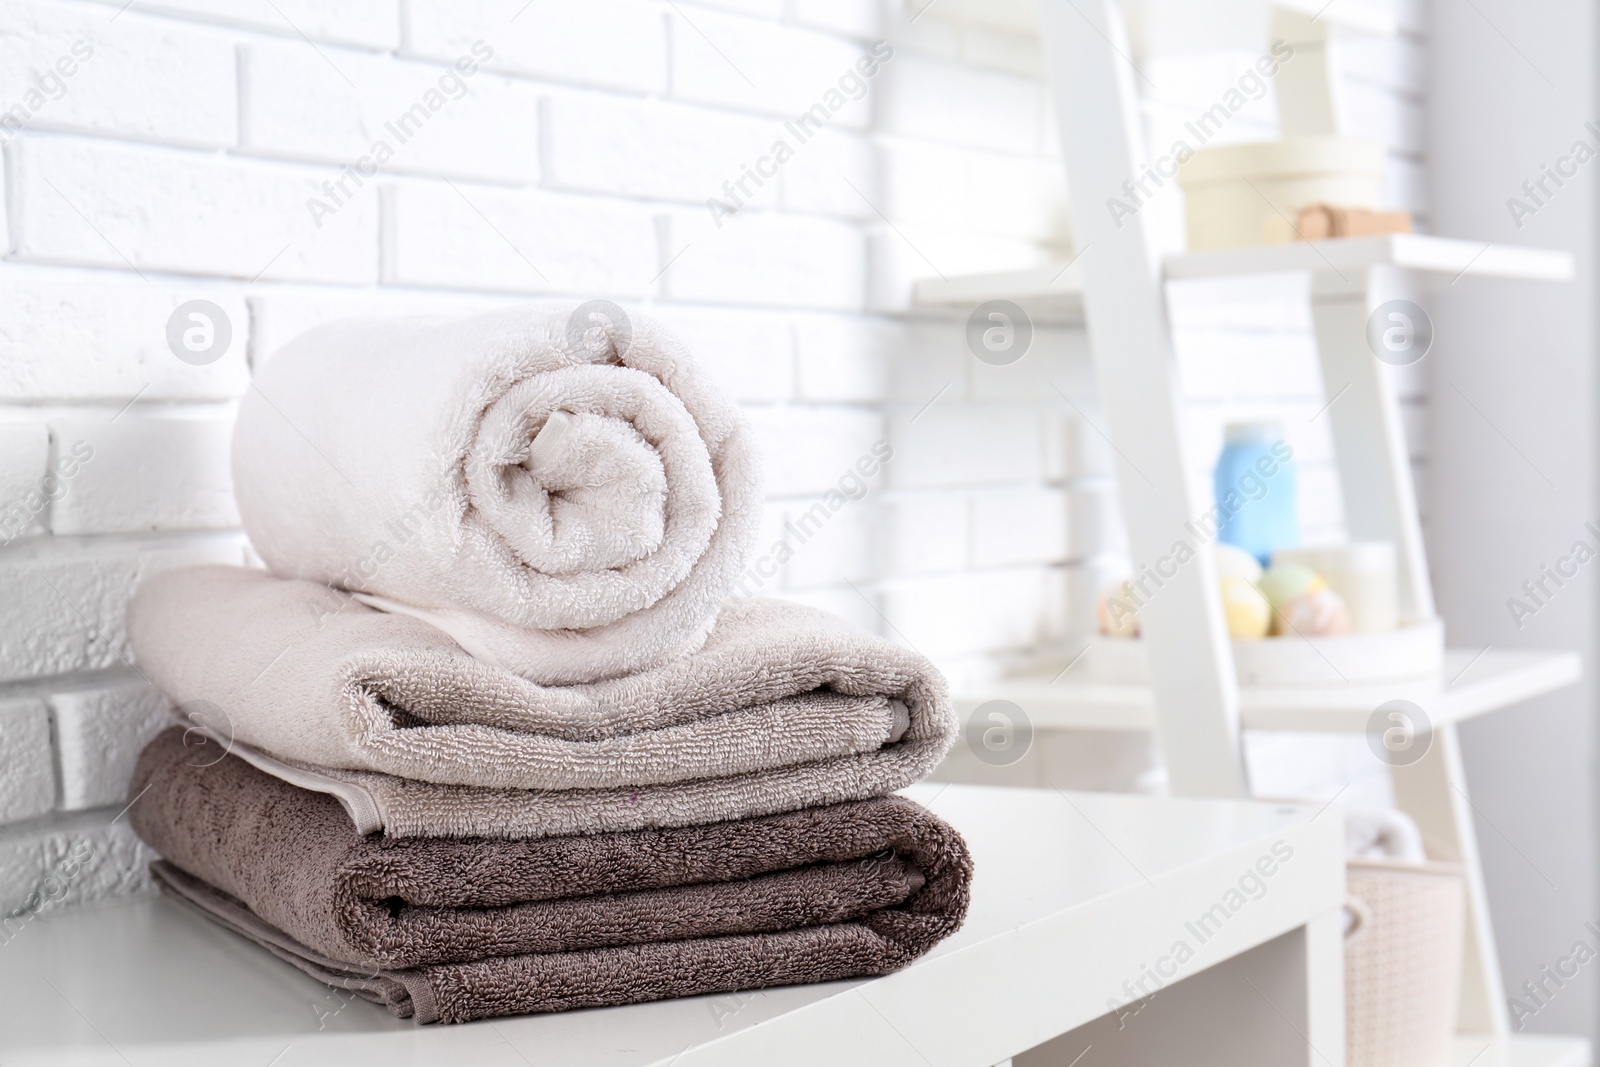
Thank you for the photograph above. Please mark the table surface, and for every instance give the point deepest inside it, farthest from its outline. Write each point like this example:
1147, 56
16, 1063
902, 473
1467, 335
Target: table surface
1074, 893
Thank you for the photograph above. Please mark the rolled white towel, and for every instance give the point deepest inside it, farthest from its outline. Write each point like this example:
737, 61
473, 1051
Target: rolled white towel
560, 489
1382, 833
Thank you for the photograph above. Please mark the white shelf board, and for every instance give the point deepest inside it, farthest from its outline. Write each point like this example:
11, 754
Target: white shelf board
1056, 287
1471, 684
1521, 1050
148, 982
1414, 251
1375, 17
1059, 287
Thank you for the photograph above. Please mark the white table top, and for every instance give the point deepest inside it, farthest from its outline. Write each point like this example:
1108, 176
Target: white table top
1074, 893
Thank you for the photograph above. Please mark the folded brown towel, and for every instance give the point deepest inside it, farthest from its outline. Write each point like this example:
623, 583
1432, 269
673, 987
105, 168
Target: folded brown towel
782, 708
455, 929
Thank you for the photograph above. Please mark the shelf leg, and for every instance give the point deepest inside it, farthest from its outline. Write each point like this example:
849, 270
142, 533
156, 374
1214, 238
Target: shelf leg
1324, 951
1433, 791
1380, 502
1192, 675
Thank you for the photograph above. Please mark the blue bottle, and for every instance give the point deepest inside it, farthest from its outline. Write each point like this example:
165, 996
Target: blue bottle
1257, 490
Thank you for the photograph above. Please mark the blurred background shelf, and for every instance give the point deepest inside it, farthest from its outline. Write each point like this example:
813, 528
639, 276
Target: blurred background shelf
1058, 287
1472, 683
1521, 1050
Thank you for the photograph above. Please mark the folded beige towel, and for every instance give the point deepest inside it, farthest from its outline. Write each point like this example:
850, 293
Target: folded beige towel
561, 489
373, 901
783, 707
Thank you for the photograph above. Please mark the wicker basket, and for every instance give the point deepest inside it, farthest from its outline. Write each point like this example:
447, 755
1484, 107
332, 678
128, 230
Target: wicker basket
1403, 955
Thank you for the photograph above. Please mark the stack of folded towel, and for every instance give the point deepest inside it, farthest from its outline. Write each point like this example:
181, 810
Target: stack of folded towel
491, 738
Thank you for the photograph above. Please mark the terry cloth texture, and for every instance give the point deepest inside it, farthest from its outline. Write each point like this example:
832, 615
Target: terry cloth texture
310, 676
560, 488
498, 927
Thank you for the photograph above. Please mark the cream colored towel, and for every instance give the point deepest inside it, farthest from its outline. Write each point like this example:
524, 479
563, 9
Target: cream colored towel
784, 706
561, 489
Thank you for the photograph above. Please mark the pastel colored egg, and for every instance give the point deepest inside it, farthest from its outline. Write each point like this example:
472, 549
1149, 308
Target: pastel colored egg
1235, 562
1314, 613
1284, 581
1115, 611
1247, 612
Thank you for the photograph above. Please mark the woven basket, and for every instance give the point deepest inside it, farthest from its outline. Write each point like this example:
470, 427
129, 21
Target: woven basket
1402, 962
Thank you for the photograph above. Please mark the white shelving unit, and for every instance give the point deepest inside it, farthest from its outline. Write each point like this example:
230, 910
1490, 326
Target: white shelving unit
1194, 701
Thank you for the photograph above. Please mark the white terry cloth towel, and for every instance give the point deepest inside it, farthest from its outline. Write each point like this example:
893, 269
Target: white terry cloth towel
311, 676
1382, 833
559, 488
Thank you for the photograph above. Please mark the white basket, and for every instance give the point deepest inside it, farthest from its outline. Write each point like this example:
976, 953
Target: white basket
1402, 962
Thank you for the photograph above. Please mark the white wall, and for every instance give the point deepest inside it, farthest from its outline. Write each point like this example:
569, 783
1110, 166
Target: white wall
1513, 469
177, 163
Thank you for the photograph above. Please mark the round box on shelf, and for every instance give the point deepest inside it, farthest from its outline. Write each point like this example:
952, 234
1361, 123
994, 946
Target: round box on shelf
1409, 652
1241, 194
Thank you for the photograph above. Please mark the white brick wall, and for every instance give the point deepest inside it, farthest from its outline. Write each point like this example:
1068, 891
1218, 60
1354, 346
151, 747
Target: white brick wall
228, 151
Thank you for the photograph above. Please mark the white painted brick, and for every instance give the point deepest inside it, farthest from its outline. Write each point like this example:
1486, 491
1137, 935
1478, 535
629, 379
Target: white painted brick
832, 173
764, 9
65, 861
66, 603
962, 446
471, 237
855, 606
751, 355
830, 545
27, 772
765, 259
1083, 582
1400, 63
1022, 197
923, 182
1258, 303
618, 44
908, 252
1094, 520
980, 611
110, 206
144, 475
371, 23
24, 492
929, 359
941, 101
1014, 53
1375, 113
844, 358
70, 68
1321, 503
99, 735
1205, 423
1087, 453
379, 114
808, 451
1018, 526
771, 68
1056, 364
278, 316
763, 574
992, 193
661, 151
922, 533
905, 26
853, 18
1233, 364
93, 341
